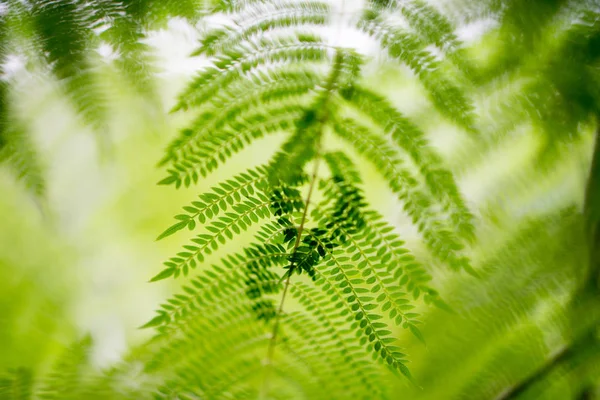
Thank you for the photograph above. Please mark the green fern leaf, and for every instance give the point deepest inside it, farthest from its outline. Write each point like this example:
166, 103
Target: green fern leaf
16, 384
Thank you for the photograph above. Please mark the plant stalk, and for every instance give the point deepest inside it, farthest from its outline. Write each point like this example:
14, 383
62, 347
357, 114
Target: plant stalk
273, 339
588, 293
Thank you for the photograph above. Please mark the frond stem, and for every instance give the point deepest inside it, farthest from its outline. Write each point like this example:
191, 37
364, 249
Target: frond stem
273, 339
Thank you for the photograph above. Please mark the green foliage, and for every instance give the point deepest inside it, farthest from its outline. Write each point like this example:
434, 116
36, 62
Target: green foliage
293, 283
20, 154
362, 280
64, 382
64, 34
16, 384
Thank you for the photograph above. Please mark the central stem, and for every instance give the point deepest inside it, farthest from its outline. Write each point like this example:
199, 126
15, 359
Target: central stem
323, 106
273, 339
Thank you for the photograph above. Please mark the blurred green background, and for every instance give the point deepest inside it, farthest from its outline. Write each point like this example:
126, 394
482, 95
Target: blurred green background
76, 260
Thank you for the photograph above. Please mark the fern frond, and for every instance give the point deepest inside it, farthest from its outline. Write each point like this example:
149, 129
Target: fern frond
64, 34
17, 149
440, 182
345, 281
329, 352
246, 213
212, 286
440, 240
221, 197
65, 381
16, 384
247, 103
262, 17
267, 77
237, 62
447, 96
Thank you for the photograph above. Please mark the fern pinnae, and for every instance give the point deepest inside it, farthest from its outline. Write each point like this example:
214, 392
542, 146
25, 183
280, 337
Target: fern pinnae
412, 140
339, 164
313, 344
189, 347
438, 238
64, 35
436, 29
313, 360
379, 280
400, 263
342, 278
345, 279
20, 154
407, 136
276, 231
324, 307
220, 146
65, 381
273, 93
260, 18
188, 355
274, 84
446, 95
430, 23
16, 384
218, 200
360, 246
378, 152
212, 294
248, 212
213, 285
236, 63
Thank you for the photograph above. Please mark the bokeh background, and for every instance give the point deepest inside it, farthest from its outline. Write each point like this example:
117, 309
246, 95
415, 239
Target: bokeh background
76, 257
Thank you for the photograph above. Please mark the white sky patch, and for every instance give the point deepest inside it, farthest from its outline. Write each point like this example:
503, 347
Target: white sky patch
107, 52
174, 46
109, 339
101, 27
175, 43
13, 65
471, 32
351, 38
343, 11
217, 20
435, 51
3, 9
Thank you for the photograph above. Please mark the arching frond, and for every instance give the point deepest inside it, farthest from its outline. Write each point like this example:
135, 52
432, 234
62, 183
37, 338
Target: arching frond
21, 156
263, 17
16, 384
66, 380
295, 285
267, 76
